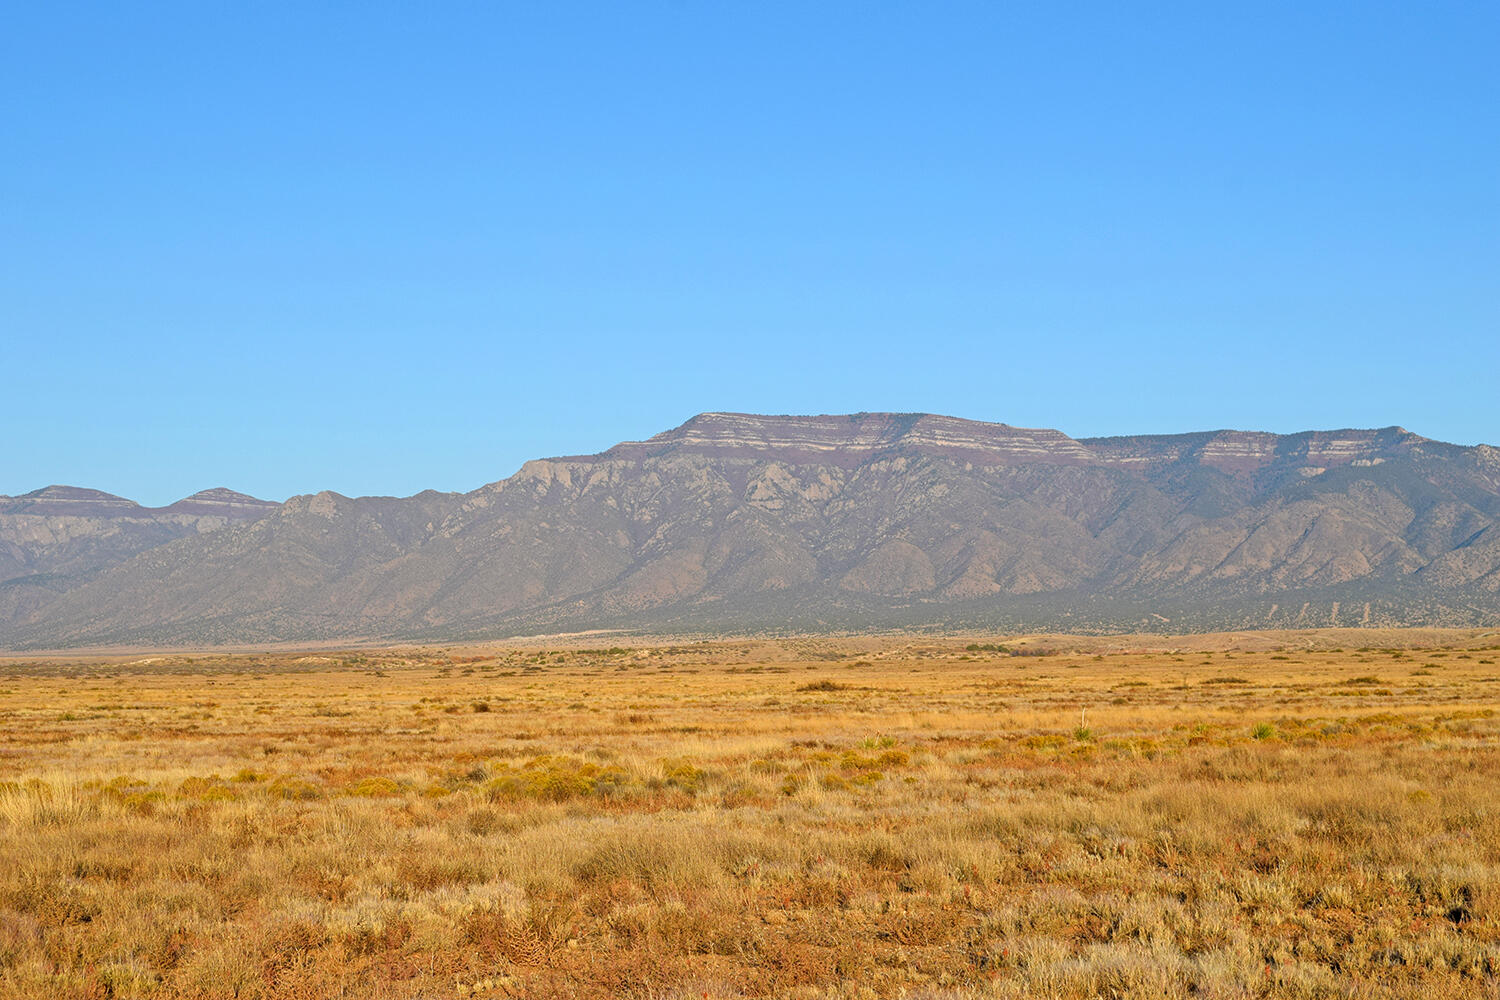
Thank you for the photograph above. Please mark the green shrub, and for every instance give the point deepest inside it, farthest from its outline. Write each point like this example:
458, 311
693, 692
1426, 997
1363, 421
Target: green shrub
375, 788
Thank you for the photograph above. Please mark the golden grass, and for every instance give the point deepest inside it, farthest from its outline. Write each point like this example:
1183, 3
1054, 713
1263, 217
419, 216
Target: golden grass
1290, 815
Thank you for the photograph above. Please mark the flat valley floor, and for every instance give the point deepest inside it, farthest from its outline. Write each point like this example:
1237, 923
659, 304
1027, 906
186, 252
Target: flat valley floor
1312, 814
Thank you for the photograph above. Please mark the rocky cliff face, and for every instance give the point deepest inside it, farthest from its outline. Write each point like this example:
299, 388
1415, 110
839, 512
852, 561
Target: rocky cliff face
736, 521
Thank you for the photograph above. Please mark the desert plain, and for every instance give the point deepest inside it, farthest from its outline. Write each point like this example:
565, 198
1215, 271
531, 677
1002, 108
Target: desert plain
1259, 814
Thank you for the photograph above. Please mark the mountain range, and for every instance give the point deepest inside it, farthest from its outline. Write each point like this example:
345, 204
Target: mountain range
738, 522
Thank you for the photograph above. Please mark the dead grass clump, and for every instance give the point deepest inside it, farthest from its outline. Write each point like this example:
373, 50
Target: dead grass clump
36, 803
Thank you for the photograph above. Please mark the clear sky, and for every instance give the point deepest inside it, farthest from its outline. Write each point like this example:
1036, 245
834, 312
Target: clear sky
381, 247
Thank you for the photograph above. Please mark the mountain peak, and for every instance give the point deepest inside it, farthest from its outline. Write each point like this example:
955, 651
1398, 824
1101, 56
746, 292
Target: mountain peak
69, 500
222, 501
224, 494
73, 494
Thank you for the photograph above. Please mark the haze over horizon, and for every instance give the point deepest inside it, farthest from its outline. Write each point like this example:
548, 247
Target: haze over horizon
284, 249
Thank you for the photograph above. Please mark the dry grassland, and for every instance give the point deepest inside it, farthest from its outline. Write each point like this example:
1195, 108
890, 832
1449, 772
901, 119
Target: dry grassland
1295, 815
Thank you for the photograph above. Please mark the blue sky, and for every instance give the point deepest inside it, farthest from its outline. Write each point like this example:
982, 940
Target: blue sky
383, 247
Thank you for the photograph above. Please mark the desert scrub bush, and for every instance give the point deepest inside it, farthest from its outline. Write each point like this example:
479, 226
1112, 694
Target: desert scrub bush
296, 787
375, 788
556, 779
1460, 894
52, 902
483, 821
848, 781
207, 789
522, 934
133, 795
683, 775
850, 760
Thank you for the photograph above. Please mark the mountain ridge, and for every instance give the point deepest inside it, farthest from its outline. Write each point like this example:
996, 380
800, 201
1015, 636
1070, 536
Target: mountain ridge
731, 521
